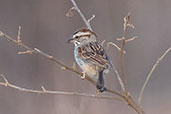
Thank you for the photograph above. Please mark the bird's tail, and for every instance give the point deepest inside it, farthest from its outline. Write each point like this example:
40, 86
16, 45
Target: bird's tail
100, 82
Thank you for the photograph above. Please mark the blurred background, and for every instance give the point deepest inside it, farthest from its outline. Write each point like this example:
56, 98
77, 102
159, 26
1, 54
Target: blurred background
45, 26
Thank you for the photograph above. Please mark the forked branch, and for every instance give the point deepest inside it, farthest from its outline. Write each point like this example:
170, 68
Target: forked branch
45, 91
126, 96
39, 52
82, 16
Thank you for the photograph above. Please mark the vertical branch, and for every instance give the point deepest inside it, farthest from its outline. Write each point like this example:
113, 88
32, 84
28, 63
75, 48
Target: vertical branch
87, 22
122, 64
123, 39
81, 14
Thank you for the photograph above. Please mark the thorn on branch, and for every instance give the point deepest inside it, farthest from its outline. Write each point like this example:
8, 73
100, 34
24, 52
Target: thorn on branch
70, 13
19, 35
120, 39
74, 65
6, 81
102, 43
25, 52
43, 89
131, 39
127, 22
116, 46
93, 16
63, 68
38, 50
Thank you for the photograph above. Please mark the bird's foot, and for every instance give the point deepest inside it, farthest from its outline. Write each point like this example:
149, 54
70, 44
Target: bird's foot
100, 88
83, 75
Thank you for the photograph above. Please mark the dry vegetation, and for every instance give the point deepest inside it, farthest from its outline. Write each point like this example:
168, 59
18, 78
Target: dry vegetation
123, 94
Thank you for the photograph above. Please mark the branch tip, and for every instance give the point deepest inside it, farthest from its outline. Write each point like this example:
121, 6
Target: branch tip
70, 13
6, 81
102, 43
38, 50
127, 22
19, 35
120, 39
116, 46
43, 88
74, 65
63, 68
92, 17
25, 52
131, 39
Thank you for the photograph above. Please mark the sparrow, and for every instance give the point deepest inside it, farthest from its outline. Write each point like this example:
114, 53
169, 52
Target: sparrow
90, 56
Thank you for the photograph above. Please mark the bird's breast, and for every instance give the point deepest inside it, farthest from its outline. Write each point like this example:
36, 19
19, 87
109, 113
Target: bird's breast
86, 66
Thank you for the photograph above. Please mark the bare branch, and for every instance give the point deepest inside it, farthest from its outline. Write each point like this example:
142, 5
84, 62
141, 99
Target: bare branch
126, 94
82, 16
93, 16
116, 46
119, 78
87, 22
39, 52
74, 65
126, 97
150, 73
126, 25
45, 91
131, 39
25, 52
102, 43
69, 13
19, 35
122, 66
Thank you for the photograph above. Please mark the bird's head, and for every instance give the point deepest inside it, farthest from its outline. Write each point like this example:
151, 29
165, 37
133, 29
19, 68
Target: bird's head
83, 36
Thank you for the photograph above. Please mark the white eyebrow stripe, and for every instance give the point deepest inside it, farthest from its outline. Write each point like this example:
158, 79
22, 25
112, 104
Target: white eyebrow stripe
81, 34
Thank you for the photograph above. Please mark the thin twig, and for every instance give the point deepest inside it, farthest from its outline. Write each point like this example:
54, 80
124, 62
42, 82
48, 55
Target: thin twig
45, 91
19, 35
131, 39
150, 74
116, 46
124, 40
102, 43
126, 94
82, 16
122, 66
91, 18
127, 97
39, 52
87, 22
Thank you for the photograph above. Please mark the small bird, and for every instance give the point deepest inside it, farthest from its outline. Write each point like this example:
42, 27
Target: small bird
90, 56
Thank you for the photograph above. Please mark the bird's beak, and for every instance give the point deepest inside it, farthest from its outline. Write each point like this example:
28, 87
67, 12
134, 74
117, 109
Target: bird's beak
70, 40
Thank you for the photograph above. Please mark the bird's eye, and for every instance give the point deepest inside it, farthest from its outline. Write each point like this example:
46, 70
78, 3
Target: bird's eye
77, 37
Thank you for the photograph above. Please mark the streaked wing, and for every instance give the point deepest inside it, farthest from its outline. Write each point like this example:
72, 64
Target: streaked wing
95, 53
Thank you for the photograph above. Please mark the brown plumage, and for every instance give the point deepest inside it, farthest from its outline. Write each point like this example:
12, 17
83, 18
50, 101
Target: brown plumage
90, 56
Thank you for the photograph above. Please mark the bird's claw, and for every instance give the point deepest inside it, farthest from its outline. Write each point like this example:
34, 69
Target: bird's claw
83, 75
